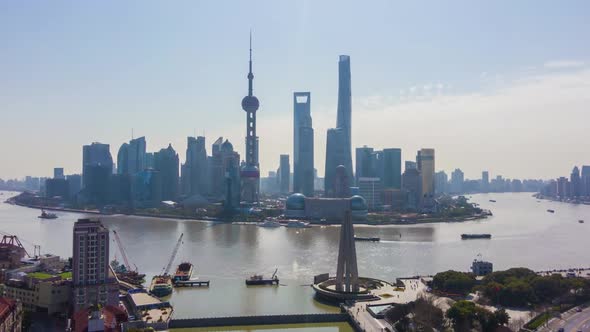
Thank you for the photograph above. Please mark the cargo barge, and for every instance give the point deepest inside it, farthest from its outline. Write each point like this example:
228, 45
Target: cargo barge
258, 279
475, 236
184, 272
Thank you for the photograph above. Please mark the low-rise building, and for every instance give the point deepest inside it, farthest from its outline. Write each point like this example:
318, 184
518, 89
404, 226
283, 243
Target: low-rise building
331, 209
41, 292
11, 315
481, 268
148, 311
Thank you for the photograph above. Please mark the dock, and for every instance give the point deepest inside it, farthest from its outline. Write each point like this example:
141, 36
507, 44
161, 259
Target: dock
191, 283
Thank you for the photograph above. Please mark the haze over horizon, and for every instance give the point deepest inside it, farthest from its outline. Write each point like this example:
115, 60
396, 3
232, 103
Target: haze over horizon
503, 86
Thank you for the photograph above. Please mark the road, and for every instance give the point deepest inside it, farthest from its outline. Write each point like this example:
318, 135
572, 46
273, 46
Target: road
570, 321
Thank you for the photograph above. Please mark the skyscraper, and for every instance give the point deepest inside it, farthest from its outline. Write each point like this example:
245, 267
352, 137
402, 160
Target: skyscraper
485, 181
131, 158
194, 177
585, 179
93, 280
250, 173
425, 164
338, 146
392, 168
224, 173
58, 173
576, 183
364, 163
457, 179
284, 174
440, 182
166, 162
96, 154
303, 162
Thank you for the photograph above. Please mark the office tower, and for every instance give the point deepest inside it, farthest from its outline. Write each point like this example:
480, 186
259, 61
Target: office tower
392, 168
96, 155
370, 189
440, 182
303, 140
57, 187
485, 181
562, 187
412, 185
457, 179
149, 160
194, 177
585, 180
74, 184
58, 173
410, 165
284, 174
93, 281
224, 172
341, 183
147, 188
250, 173
338, 146
166, 162
335, 156
425, 164
364, 163
576, 183
131, 157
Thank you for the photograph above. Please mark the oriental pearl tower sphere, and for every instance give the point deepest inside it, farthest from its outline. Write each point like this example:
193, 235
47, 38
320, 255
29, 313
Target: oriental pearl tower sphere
250, 173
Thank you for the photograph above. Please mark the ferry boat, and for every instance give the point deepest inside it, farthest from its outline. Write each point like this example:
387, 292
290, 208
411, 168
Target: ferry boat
370, 239
475, 236
184, 272
297, 224
46, 215
270, 223
550, 211
161, 286
258, 279
581, 221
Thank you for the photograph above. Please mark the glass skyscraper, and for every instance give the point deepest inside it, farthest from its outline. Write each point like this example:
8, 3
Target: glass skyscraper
303, 170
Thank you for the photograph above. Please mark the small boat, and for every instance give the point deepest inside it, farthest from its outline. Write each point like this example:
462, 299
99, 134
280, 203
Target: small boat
581, 221
297, 224
370, 239
270, 223
550, 211
46, 215
475, 236
258, 279
493, 200
161, 286
184, 272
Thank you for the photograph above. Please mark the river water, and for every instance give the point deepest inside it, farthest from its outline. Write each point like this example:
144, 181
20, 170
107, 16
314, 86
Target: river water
524, 234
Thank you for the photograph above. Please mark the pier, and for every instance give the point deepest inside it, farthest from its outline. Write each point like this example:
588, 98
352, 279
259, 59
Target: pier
191, 283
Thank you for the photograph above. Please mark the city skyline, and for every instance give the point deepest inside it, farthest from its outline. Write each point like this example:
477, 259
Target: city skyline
173, 93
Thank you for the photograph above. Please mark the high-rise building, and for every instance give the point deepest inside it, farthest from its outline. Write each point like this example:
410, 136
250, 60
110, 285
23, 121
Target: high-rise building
562, 187
392, 168
338, 145
131, 158
585, 180
425, 164
440, 182
96, 155
74, 184
365, 163
485, 181
410, 165
370, 189
58, 173
224, 173
457, 179
194, 176
284, 174
303, 149
576, 183
250, 172
166, 162
93, 281
412, 185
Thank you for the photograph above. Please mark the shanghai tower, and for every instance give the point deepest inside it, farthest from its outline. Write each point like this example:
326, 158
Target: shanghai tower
250, 173
338, 143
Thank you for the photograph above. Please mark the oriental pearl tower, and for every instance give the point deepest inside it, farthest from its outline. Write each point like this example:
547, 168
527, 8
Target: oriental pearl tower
250, 173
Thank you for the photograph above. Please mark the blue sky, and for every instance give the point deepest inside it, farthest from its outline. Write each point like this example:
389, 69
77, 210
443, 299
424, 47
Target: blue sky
485, 84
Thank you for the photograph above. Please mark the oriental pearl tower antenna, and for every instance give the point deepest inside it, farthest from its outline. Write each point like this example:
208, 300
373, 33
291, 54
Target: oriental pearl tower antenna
250, 173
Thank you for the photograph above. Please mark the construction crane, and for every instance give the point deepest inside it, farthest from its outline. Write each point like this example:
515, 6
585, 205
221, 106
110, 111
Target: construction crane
174, 252
122, 250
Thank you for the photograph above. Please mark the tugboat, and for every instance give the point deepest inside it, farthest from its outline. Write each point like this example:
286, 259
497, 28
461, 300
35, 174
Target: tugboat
45, 215
550, 211
258, 279
370, 239
475, 236
184, 272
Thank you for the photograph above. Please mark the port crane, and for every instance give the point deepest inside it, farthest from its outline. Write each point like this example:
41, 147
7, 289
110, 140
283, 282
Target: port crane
174, 252
123, 253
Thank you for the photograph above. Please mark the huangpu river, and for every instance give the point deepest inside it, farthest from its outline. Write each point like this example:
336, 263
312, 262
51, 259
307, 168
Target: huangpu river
523, 234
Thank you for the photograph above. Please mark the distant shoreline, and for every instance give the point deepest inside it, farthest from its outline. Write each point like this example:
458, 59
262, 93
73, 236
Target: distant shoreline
552, 199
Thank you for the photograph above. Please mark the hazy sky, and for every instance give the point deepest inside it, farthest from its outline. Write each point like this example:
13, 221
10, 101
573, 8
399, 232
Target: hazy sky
498, 85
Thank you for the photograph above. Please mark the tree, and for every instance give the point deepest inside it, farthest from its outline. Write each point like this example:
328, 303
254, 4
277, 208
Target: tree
453, 282
462, 314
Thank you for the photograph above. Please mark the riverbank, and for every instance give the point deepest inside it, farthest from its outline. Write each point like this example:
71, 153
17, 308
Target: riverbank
555, 199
